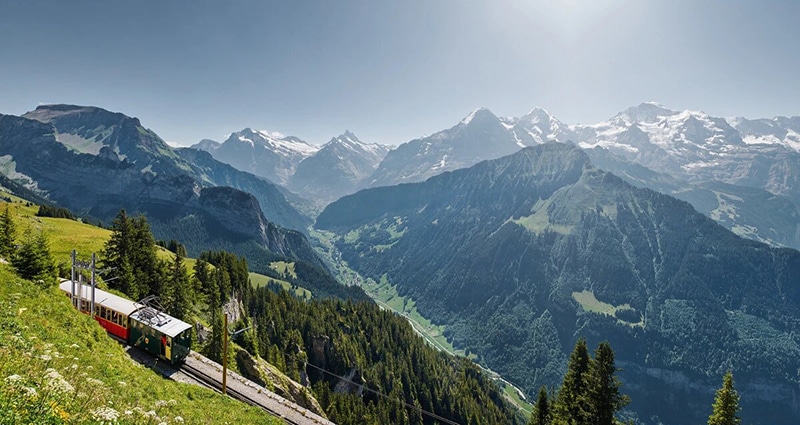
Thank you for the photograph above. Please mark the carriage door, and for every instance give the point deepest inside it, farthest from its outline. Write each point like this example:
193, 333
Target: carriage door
168, 349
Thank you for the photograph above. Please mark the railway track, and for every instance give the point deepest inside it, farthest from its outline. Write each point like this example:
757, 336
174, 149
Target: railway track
198, 370
293, 417
213, 383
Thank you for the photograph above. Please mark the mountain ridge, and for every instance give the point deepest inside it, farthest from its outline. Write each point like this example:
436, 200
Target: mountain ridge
186, 194
518, 268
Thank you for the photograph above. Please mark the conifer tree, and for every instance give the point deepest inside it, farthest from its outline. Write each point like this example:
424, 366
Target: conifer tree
214, 347
130, 252
541, 410
571, 403
604, 397
201, 275
115, 255
726, 404
8, 234
178, 293
33, 260
143, 257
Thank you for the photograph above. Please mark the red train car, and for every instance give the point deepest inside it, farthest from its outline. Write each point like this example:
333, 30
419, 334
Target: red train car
111, 311
138, 324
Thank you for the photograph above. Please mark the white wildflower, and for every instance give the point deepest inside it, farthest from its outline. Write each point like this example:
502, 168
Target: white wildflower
161, 403
122, 384
105, 415
46, 357
128, 412
172, 402
30, 392
73, 345
11, 379
56, 382
178, 420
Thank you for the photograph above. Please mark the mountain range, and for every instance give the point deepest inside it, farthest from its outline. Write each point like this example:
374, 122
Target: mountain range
687, 154
96, 162
741, 172
320, 174
272, 156
338, 168
521, 255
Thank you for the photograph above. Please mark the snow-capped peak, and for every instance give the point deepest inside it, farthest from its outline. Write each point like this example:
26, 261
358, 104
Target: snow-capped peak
351, 142
476, 113
648, 112
275, 141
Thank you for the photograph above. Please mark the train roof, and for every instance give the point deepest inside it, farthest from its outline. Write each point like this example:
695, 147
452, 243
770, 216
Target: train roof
160, 321
156, 319
101, 297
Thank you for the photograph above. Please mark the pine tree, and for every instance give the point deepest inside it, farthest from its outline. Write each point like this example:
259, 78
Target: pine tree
214, 347
178, 295
130, 252
571, 403
604, 397
541, 410
33, 260
8, 234
115, 255
143, 257
726, 404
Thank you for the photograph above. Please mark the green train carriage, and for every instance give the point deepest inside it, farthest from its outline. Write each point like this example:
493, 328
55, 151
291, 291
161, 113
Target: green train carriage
160, 334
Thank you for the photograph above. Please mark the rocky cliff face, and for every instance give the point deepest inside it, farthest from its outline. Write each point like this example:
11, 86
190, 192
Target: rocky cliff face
266, 375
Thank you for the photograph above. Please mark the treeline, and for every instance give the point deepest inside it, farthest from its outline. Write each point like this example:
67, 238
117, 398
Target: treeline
55, 212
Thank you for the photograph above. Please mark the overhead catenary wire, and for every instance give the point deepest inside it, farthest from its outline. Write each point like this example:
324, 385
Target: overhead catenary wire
386, 396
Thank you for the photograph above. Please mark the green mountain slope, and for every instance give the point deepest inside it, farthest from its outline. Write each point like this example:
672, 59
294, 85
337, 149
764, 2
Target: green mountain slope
521, 255
59, 366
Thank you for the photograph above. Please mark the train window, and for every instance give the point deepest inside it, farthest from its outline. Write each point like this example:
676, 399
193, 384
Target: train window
113, 316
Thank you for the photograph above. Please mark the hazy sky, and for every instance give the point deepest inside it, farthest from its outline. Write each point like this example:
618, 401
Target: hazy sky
394, 71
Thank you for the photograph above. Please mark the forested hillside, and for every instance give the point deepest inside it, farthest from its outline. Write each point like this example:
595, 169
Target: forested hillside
377, 369
521, 255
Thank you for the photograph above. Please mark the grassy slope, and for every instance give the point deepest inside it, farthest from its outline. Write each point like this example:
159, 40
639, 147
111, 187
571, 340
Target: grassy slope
45, 343
259, 280
64, 236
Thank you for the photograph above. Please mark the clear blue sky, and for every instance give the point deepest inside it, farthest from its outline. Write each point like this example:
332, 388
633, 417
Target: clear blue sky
394, 71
